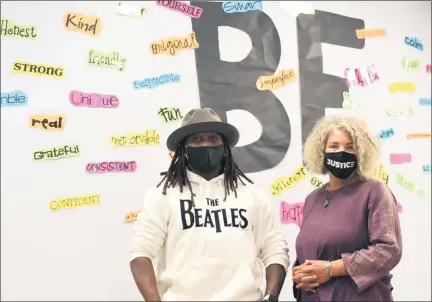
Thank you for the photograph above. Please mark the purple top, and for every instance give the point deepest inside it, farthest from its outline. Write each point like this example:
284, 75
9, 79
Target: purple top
361, 227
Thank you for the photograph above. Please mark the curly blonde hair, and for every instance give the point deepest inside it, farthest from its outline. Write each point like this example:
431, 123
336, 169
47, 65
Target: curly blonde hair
366, 146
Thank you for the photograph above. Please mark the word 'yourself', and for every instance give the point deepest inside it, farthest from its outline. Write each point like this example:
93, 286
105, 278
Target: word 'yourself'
56, 153
111, 166
47, 122
282, 78
8, 29
180, 6
13, 98
170, 114
88, 25
93, 100
148, 138
108, 60
75, 202
173, 45
157, 81
37, 69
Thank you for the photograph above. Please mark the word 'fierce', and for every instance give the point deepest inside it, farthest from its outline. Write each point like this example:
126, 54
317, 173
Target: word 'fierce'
47, 122
75, 202
157, 81
8, 29
37, 69
93, 100
287, 182
282, 78
13, 98
180, 6
241, 6
109, 60
173, 45
148, 138
111, 166
57, 152
88, 25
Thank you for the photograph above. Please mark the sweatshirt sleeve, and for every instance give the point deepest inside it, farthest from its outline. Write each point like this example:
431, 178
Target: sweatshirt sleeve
151, 226
273, 248
369, 265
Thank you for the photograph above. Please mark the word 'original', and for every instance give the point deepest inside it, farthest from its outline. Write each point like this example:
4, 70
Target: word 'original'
88, 25
128, 9
148, 138
402, 87
296, 8
361, 76
291, 213
58, 152
47, 122
157, 81
414, 42
370, 33
241, 6
409, 64
75, 202
418, 135
400, 111
131, 216
8, 29
386, 133
282, 78
381, 174
180, 6
173, 45
13, 98
93, 100
108, 60
317, 183
427, 168
170, 114
37, 69
425, 102
347, 102
287, 182
111, 166
400, 158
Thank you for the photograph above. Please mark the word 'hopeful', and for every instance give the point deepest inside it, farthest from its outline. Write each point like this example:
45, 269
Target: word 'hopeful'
180, 6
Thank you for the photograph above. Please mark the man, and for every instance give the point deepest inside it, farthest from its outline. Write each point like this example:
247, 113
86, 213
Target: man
209, 226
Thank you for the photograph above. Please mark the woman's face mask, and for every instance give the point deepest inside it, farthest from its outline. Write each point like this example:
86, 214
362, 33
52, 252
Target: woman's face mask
340, 158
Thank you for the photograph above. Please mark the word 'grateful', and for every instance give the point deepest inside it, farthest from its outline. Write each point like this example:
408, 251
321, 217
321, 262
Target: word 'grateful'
8, 29
157, 81
180, 6
111, 166
37, 69
147, 138
47, 122
58, 152
77, 22
287, 182
173, 45
75, 202
13, 98
93, 100
170, 114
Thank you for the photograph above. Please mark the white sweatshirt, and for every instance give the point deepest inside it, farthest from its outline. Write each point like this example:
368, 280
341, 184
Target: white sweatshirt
212, 252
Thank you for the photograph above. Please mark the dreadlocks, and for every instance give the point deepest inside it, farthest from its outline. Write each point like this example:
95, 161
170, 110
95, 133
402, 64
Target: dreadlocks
177, 173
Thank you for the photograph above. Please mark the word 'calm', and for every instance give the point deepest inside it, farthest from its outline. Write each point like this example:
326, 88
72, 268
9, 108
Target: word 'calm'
37, 69
157, 81
148, 138
8, 29
291, 213
13, 98
47, 122
75, 202
93, 100
180, 6
170, 114
414, 42
173, 45
361, 76
64, 151
282, 78
111, 166
108, 60
88, 25
241, 6
287, 182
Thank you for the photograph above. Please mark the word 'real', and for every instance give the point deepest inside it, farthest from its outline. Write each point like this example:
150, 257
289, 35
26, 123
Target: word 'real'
111, 166
402, 87
386, 133
13, 98
409, 64
241, 6
58, 152
426, 168
131, 216
75, 202
37, 69
414, 42
127, 9
296, 8
157, 81
108, 60
88, 25
273, 82
180, 6
400, 111
93, 100
291, 213
8, 29
381, 174
418, 135
287, 182
173, 45
170, 114
400, 158
361, 76
409, 185
428, 68
347, 101
47, 122
425, 102
370, 33
317, 183
147, 138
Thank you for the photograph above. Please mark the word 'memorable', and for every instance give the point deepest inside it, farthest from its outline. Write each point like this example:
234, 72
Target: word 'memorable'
93, 100
13, 99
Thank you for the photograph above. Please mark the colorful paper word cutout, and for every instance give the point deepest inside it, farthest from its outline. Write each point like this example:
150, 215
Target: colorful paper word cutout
8, 29
157, 81
428, 68
37, 69
108, 60
131, 216
147, 138
400, 111
402, 87
291, 213
111, 166
170, 114
173, 45
410, 186
13, 98
58, 152
425, 102
347, 101
93, 100
409, 64
241, 6
75, 202
77, 22
361, 76
316, 182
287, 182
125, 8
182, 7
418, 135
381, 174
400, 158
386, 133
47, 122
414, 42
370, 33
427, 168
273, 82
296, 8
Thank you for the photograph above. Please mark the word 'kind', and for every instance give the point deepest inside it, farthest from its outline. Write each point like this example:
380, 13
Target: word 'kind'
241, 6
88, 25
37, 69
170, 114
108, 60
8, 29
13, 98
148, 138
56, 152
282, 78
361, 76
47, 122
287, 182
93, 100
111, 166
157, 81
173, 45
180, 6
75, 202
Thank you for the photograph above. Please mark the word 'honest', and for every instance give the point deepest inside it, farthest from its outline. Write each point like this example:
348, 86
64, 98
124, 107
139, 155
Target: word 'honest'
75, 202
93, 100
14, 98
37, 69
287, 182
8, 29
180, 6
47, 122
56, 153
173, 45
111, 166
148, 138
170, 114
88, 25
361, 76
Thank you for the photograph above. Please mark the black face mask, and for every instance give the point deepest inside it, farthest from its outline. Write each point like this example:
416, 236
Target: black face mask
205, 159
340, 164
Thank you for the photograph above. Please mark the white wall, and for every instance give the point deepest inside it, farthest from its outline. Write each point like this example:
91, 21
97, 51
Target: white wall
82, 253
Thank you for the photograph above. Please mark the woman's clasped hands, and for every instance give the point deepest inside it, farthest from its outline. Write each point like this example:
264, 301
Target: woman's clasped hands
310, 274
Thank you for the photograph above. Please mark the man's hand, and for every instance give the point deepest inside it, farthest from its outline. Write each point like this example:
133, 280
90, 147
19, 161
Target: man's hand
310, 274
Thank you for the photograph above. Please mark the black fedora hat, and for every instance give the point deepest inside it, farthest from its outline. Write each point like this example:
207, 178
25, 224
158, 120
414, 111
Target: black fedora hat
202, 120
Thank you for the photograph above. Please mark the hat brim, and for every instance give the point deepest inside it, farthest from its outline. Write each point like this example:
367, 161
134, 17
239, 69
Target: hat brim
227, 130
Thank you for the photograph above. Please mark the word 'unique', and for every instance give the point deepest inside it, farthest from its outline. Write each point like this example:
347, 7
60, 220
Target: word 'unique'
361, 76
287, 182
93, 100
291, 213
88, 25
13, 98
111, 166
425, 102
400, 111
317, 183
47, 122
386, 133
241, 6
157, 81
173, 45
180, 6
402, 87
8, 29
381, 174
273, 82
400, 158
147, 138
370, 33
427, 168
409, 64
418, 135
75, 202
58, 152
347, 101
414, 42
131, 216
108, 60
37, 69
170, 114
128, 9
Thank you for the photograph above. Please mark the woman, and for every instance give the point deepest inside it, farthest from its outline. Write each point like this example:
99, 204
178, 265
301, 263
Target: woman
350, 238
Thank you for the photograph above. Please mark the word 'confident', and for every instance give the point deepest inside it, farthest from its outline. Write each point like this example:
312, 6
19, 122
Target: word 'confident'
56, 152
75, 202
370, 33
170, 114
88, 25
282, 78
93, 100
111, 166
287, 182
358, 77
180, 6
157, 81
173, 45
131, 216
241, 6
47, 122
37, 69
149, 137
8, 29
13, 98
108, 60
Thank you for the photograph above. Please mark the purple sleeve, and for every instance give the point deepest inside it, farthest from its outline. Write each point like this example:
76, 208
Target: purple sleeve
367, 266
